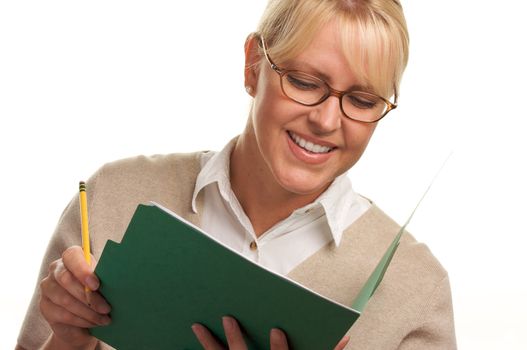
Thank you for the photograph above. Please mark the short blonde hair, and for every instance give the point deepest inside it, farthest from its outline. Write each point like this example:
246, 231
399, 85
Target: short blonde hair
376, 27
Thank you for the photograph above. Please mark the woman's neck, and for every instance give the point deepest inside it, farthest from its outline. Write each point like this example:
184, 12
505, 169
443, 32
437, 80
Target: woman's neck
262, 198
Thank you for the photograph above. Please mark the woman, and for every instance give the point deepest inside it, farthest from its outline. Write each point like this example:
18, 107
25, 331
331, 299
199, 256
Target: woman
321, 74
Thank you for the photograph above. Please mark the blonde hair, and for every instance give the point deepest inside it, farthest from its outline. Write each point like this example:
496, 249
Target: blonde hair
376, 27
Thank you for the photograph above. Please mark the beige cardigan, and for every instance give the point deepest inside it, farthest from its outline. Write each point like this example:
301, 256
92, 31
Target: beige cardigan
411, 309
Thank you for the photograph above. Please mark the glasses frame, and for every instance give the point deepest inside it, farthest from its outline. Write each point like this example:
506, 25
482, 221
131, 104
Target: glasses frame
330, 91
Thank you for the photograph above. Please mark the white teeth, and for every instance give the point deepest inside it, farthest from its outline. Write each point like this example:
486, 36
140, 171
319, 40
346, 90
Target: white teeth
309, 146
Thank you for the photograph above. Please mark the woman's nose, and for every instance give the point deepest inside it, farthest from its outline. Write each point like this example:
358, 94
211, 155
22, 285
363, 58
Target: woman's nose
327, 116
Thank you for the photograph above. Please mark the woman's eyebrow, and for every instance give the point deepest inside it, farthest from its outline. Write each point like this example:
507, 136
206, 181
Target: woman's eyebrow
311, 69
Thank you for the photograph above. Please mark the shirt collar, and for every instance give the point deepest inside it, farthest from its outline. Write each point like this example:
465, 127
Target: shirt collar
337, 201
216, 169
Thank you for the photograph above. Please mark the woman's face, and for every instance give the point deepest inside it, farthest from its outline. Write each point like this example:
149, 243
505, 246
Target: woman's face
293, 140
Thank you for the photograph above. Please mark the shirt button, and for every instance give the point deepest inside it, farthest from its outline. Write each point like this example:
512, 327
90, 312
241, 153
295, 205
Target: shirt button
253, 245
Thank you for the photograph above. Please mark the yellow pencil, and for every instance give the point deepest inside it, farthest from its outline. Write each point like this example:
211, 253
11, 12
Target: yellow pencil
85, 232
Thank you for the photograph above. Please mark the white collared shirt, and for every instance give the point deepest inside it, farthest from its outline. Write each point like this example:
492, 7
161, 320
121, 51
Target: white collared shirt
292, 240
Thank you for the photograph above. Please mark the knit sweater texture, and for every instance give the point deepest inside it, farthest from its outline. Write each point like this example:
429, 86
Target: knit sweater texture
411, 309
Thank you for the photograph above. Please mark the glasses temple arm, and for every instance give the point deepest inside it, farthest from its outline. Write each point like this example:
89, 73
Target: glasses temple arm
264, 48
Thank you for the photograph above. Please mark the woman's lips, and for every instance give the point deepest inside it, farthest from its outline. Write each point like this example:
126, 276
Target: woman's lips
307, 151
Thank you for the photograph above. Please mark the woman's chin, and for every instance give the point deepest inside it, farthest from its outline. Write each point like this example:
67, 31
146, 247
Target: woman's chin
303, 185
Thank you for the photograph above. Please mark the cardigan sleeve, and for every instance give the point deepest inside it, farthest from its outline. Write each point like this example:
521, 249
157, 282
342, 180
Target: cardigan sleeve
114, 192
436, 330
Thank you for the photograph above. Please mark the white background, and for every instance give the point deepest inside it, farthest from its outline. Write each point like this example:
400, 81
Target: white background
83, 83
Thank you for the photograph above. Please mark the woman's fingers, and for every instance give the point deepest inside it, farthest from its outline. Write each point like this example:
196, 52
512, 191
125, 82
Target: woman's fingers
232, 331
65, 279
233, 334
235, 341
73, 273
278, 340
342, 343
206, 339
64, 304
56, 314
56, 294
74, 261
63, 289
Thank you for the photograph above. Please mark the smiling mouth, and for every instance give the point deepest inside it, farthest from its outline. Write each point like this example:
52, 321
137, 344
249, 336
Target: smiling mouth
309, 146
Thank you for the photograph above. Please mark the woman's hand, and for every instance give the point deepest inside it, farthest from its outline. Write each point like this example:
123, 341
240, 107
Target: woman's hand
64, 303
278, 340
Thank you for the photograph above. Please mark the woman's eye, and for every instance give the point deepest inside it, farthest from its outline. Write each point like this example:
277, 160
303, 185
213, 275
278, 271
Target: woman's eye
301, 83
361, 102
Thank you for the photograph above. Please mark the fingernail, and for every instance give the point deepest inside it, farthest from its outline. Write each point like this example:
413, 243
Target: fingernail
276, 333
104, 308
228, 323
92, 282
196, 329
105, 320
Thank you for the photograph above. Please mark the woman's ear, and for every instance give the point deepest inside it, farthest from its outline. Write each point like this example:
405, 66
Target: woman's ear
252, 63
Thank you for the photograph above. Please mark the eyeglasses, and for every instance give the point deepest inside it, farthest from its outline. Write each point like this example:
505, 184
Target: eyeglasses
308, 90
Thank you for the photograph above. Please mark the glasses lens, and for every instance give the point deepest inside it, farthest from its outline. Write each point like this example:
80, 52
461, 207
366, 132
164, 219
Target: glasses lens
363, 106
303, 88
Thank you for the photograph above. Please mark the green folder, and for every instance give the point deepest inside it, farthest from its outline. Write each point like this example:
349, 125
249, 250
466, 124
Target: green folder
167, 274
